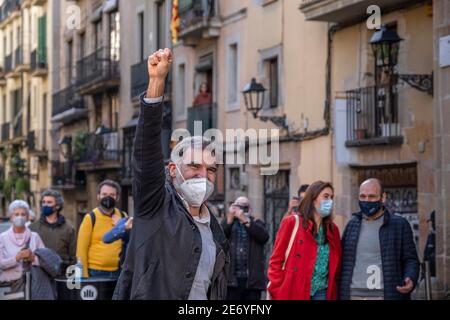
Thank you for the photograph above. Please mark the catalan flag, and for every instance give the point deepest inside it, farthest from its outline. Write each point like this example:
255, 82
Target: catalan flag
175, 24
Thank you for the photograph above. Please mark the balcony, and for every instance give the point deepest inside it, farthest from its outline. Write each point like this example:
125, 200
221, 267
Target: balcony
19, 62
372, 117
68, 106
65, 177
6, 132
346, 11
37, 143
198, 19
38, 63
127, 168
8, 63
139, 79
97, 72
98, 151
206, 113
9, 9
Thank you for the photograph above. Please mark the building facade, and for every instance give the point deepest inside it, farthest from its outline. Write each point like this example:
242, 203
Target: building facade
24, 99
95, 97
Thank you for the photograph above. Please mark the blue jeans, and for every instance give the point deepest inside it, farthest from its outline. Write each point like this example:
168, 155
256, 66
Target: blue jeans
320, 295
103, 274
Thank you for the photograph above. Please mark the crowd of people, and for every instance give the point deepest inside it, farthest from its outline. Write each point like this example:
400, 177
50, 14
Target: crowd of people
174, 248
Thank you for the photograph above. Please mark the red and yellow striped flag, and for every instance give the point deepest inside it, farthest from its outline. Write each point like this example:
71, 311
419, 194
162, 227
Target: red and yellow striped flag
175, 24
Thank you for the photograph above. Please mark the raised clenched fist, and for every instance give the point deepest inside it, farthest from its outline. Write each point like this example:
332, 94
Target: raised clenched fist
158, 68
159, 64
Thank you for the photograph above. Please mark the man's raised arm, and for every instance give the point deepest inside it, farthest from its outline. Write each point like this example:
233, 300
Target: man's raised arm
148, 162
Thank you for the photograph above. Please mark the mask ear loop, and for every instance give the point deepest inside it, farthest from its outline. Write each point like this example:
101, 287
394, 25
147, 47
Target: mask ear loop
178, 169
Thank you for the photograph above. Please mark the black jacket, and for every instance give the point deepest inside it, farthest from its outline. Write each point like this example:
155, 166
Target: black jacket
258, 236
165, 244
398, 255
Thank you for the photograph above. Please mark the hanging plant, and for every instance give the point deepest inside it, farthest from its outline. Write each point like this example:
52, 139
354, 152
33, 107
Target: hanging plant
79, 145
8, 189
4, 153
22, 187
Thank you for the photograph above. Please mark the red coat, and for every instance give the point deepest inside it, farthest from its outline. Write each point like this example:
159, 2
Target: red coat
294, 282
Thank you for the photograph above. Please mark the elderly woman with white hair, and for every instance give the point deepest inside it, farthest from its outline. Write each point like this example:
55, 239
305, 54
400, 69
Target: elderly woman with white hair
17, 246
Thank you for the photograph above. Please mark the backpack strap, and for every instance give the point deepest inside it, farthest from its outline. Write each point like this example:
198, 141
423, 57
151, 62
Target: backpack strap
123, 214
93, 218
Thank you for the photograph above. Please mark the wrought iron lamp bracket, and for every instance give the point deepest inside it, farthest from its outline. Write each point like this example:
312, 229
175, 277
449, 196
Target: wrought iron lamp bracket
421, 82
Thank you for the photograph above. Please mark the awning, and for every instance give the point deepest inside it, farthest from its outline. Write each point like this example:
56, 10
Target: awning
97, 15
70, 115
205, 64
110, 6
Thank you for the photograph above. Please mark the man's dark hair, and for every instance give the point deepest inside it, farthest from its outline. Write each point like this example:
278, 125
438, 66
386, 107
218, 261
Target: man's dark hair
302, 188
109, 183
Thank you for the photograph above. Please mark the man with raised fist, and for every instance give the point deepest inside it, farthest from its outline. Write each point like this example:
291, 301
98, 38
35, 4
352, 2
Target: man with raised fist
177, 250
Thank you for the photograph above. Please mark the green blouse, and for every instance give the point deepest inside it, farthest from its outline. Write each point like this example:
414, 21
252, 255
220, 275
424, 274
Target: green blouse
320, 276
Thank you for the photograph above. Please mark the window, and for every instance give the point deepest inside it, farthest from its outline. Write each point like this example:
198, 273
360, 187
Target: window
233, 80
34, 103
114, 35
69, 62
98, 39
114, 113
273, 82
141, 31
19, 38
161, 24
4, 109
16, 101
42, 39
82, 46
181, 91
270, 70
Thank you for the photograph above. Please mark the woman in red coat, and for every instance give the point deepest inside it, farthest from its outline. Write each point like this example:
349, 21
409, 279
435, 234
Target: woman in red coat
310, 270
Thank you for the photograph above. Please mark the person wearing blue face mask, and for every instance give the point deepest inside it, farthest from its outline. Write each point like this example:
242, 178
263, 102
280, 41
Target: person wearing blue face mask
55, 230
379, 260
306, 257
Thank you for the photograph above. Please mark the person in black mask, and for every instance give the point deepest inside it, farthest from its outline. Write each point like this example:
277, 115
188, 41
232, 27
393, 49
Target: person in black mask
379, 256
101, 259
56, 232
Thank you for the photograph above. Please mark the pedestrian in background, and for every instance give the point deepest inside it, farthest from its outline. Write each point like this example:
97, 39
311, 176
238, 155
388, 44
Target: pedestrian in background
379, 258
247, 236
55, 230
17, 247
306, 257
295, 201
100, 259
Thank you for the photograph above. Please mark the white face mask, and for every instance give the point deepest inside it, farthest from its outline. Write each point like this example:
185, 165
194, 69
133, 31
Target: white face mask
19, 221
194, 191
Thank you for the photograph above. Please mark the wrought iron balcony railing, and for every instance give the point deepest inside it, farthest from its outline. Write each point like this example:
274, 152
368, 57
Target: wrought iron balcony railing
6, 131
98, 148
372, 116
205, 114
96, 68
196, 18
66, 100
139, 78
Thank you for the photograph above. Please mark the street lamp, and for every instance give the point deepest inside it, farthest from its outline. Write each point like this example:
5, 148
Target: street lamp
65, 144
254, 97
385, 45
254, 93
